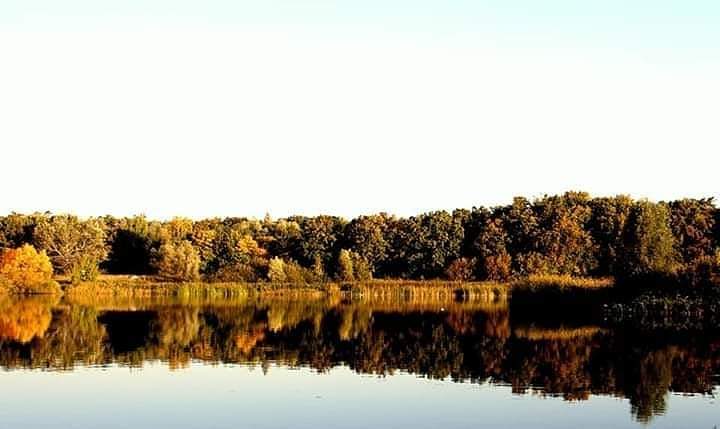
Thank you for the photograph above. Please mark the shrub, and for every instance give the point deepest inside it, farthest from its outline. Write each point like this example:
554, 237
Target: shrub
178, 262
276, 271
237, 272
25, 270
296, 274
497, 267
345, 267
319, 270
461, 269
701, 272
85, 270
533, 263
361, 267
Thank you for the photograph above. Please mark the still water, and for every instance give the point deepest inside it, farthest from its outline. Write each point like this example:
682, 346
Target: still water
332, 363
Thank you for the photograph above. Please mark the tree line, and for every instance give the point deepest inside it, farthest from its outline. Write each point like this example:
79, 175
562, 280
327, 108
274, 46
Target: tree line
570, 234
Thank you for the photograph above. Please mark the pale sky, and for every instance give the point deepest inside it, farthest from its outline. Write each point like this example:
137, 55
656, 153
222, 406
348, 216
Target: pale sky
217, 108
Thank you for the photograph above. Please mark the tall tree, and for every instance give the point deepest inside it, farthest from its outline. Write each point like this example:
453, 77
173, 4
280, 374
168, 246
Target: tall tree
607, 225
132, 241
67, 240
433, 240
564, 242
491, 244
649, 247
693, 224
365, 235
320, 239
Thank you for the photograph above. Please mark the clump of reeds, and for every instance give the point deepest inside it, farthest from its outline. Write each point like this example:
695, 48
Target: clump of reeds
560, 283
425, 291
561, 333
695, 310
145, 288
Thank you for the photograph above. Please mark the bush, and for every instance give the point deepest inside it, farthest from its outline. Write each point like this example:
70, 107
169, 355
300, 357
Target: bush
297, 274
276, 271
345, 268
461, 269
703, 271
533, 263
318, 269
85, 270
497, 267
178, 262
25, 270
361, 267
237, 272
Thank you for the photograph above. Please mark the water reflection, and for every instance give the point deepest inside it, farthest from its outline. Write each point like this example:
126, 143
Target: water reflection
461, 341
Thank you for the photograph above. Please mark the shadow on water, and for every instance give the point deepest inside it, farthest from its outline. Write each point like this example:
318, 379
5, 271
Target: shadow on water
480, 342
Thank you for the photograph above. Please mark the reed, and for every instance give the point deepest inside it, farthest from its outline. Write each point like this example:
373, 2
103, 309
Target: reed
146, 288
560, 283
561, 333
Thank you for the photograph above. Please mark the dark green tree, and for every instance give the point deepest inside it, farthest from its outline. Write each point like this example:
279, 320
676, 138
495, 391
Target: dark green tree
649, 247
607, 225
366, 236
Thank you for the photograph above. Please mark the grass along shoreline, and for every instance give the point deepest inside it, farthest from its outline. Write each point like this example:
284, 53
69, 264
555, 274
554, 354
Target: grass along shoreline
139, 286
136, 286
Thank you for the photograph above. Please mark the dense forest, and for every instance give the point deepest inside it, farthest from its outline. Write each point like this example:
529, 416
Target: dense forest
570, 234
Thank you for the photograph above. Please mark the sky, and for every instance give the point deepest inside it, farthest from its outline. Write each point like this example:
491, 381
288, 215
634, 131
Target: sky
242, 108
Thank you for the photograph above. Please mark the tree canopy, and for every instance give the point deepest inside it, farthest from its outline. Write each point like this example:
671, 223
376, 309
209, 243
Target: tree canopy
569, 234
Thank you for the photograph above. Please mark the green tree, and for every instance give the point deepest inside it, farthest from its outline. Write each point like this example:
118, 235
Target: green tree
521, 224
607, 226
320, 239
237, 255
649, 248
495, 261
365, 235
432, 241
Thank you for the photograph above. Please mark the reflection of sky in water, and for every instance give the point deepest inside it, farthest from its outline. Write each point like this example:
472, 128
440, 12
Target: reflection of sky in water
228, 396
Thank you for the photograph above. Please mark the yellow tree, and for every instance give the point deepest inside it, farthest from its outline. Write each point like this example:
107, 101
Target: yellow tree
26, 270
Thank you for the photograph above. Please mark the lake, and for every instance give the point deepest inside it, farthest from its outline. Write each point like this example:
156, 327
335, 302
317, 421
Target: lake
344, 363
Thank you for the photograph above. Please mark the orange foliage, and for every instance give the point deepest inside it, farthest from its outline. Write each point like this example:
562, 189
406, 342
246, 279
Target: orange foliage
246, 342
24, 320
25, 269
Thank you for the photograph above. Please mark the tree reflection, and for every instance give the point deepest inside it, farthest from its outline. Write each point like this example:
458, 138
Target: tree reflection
458, 341
21, 321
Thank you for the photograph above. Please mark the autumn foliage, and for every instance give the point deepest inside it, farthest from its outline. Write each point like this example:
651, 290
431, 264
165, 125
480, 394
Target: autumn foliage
572, 234
25, 270
23, 320
178, 262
